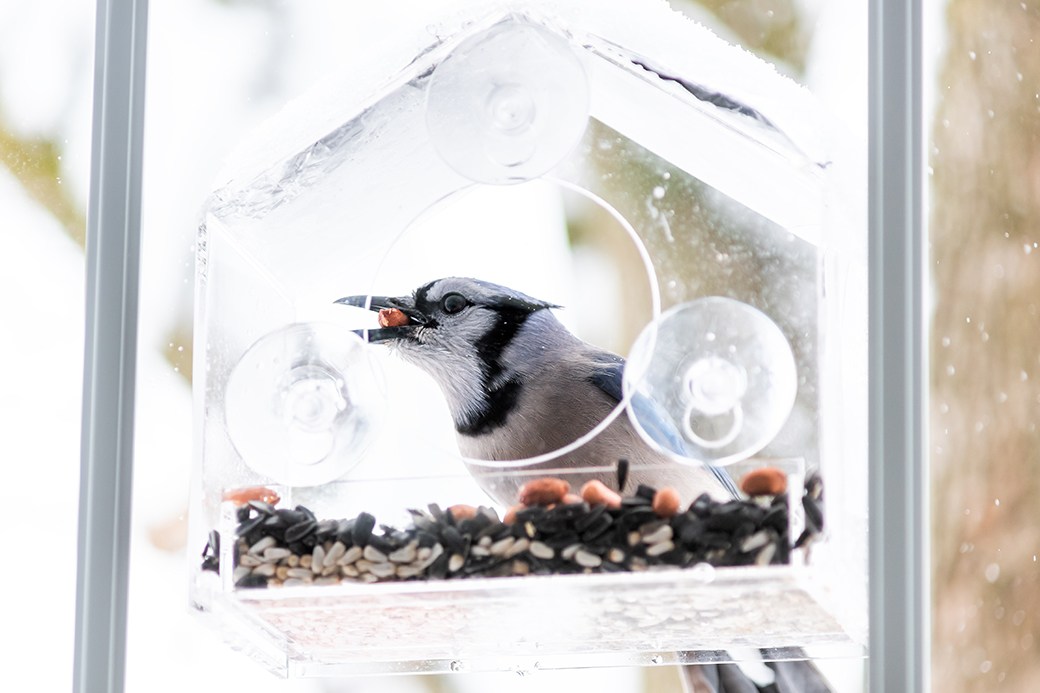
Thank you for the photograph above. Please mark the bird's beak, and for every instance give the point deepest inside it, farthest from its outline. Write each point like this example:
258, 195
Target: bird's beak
405, 304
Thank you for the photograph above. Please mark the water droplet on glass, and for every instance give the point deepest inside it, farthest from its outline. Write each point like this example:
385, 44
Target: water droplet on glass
658, 192
972, 55
950, 370
666, 175
992, 573
946, 341
986, 666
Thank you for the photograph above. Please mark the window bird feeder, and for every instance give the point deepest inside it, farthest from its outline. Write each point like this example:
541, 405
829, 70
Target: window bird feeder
344, 534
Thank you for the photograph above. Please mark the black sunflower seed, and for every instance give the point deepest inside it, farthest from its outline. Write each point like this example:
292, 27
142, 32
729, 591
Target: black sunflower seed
646, 491
702, 505
622, 474
598, 528
261, 507
585, 521
569, 511
300, 530
452, 540
635, 501
249, 525
290, 517
813, 514
362, 530
252, 580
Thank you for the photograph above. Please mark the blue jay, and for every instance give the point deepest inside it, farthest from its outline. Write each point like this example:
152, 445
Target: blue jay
518, 384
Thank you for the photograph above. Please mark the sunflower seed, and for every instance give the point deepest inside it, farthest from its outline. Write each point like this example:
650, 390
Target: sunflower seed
587, 559
351, 555
373, 554
660, 548
541, 550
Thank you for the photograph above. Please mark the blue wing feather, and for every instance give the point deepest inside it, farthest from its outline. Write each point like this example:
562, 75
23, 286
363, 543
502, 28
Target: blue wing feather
607, 374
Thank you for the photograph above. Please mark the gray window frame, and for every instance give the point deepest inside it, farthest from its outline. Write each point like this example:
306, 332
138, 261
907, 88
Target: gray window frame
899, 543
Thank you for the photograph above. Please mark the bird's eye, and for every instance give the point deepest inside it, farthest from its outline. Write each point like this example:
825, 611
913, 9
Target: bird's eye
453, 303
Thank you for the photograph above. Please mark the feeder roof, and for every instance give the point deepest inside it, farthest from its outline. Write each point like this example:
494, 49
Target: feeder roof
655, 76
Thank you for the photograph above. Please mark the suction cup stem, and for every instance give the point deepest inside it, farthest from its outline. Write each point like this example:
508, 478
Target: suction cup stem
508, 104
712, 380
301, 405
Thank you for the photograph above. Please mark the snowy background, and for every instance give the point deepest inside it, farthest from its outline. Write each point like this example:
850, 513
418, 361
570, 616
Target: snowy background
216, 69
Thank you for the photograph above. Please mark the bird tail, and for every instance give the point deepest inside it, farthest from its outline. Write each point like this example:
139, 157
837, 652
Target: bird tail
725, 479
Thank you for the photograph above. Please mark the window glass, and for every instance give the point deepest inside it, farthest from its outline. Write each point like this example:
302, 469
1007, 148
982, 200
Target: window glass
218, 69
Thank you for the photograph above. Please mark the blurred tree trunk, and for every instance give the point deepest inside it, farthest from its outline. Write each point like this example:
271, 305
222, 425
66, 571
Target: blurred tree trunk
985, 350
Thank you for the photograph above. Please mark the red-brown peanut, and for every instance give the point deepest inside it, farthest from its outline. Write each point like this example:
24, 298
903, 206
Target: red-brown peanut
595, 492
392, 317
666, 502
241, 496
764, 481
462, 511
543, 491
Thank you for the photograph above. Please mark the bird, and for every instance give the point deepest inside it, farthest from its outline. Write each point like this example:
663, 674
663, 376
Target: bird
519, 385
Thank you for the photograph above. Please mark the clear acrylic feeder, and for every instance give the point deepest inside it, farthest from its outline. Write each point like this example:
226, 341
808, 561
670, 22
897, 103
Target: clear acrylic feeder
326, 466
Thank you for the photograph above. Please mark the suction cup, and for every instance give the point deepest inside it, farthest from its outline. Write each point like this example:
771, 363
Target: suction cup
712, 380
301, 406
508, 104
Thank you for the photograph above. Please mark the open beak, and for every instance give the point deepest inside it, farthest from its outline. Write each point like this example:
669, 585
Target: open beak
405, 304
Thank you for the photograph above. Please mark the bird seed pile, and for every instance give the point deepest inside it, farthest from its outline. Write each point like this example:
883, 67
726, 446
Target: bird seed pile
551, 531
